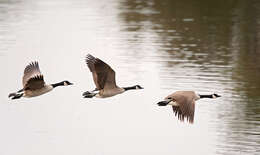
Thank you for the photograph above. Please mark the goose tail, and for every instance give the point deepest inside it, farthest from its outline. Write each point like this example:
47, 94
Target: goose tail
15, 95
162, 103
88, 94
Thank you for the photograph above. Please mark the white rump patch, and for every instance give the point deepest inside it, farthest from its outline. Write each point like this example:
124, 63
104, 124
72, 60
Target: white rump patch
98, 96
173, 103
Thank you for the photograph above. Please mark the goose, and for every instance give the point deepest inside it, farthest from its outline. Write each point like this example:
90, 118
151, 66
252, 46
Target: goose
33, 83
183, 103
104, 79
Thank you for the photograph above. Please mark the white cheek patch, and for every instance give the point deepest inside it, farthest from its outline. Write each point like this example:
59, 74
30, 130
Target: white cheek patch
213, 96
65, 84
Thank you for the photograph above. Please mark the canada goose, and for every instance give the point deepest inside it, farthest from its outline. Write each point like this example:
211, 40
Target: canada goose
33, 83
104, 79
183, 103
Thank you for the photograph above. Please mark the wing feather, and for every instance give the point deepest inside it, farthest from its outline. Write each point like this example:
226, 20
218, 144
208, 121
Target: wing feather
186, 105
32, 78
103, 74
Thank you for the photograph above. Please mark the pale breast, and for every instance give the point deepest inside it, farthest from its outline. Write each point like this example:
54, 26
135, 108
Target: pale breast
108, 93
45, 89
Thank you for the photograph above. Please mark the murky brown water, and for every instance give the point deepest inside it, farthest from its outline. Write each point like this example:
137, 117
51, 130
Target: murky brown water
164, 46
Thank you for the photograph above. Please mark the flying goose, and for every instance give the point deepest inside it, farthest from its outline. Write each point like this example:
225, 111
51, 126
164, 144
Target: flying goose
183, 103
33, 83
104, 79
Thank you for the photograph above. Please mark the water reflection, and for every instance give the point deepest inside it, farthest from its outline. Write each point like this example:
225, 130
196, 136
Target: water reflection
206, 42
164, 45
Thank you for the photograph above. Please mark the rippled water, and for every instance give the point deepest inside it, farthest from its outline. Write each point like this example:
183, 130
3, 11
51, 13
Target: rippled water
162, 45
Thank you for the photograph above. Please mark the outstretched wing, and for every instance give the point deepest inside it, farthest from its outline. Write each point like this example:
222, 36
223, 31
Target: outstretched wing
103, 74
32, 78
185, 108
185, 111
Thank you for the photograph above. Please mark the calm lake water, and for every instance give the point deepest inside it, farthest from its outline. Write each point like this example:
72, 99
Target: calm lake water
163, 45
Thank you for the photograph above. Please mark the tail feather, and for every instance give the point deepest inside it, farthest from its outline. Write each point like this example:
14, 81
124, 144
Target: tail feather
162, 103
15, 95
88, 94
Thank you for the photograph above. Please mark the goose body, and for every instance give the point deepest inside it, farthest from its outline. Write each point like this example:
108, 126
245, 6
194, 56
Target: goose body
33, 83
38, 92
109, 93
183, 103
104, 79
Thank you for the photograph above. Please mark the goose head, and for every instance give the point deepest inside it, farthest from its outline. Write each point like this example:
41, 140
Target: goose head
138, 87
215, 95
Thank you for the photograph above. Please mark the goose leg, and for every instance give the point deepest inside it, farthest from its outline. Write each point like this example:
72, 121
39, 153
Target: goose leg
20, 91
11, 95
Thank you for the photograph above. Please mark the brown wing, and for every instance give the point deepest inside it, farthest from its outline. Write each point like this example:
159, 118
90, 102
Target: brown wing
186, 107
34, 83
184, 112
32, 78
103, 74
178, 113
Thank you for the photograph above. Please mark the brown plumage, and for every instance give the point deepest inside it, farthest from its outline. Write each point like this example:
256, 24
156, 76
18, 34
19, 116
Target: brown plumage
103, 74
186, 104
33, 83
183, 103
104, 78
32, 78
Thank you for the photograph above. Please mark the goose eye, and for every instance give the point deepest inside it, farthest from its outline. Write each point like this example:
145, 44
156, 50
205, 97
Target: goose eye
169, 98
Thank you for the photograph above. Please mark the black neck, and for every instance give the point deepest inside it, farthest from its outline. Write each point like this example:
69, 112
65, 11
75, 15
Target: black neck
57, 84
206, 96
129, 88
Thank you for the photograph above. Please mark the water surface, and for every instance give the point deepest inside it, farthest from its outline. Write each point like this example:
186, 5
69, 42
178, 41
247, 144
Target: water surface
162, 45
